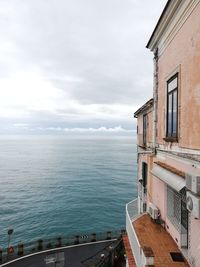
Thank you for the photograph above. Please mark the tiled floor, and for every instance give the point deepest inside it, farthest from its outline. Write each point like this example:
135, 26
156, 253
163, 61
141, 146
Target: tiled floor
129, 254
155, 236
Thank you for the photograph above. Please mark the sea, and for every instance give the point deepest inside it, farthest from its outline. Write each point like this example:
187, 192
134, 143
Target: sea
64, 185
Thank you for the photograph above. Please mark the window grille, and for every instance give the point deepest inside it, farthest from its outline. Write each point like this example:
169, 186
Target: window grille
184, 211
174, 207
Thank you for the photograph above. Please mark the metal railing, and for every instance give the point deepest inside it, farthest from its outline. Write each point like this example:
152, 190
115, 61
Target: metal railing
107, 256
41, 245
131, 214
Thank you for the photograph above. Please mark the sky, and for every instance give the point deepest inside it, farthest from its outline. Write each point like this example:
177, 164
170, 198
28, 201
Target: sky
73, 66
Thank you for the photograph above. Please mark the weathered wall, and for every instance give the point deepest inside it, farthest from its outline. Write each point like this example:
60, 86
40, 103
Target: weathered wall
160, 199
150, 128
184, 53
159, 195
194, 247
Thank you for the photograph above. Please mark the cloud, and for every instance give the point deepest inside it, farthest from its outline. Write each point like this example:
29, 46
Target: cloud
75, 62
19, 128
20, 125
102, 129
117, 129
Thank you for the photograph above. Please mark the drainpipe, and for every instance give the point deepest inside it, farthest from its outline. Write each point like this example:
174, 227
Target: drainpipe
155, 97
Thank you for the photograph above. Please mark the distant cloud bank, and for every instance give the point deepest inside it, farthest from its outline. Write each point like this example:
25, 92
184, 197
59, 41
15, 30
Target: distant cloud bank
61, 130
102, 129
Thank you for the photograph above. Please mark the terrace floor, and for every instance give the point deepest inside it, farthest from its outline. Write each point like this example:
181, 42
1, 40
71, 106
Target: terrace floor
155, 236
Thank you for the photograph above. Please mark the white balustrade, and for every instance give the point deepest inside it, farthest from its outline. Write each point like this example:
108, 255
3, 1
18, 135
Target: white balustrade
131, 215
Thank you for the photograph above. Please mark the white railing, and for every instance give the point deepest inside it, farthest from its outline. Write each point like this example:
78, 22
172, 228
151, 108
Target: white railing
131, 214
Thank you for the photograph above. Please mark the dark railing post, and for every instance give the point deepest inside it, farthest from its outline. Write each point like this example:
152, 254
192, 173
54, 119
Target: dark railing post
1, 255
111, 255
59, 241
123, 232
40, 244
49, 246
20, 249
94, 237
76, 241
108, 235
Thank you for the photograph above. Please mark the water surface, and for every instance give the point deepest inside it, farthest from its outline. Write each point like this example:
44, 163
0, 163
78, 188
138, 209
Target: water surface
53, 186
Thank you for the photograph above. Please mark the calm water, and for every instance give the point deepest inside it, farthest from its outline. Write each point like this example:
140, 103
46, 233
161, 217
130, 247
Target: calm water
62, 185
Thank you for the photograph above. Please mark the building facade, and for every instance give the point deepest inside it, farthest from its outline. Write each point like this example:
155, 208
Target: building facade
169, 144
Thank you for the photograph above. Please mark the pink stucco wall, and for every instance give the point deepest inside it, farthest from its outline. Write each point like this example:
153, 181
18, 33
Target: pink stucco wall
159, 195
186, 165
194, 250
184, 53
150, 128
159, 198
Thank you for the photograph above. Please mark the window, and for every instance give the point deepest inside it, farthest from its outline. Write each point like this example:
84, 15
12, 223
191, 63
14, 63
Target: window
144, 175
172, 107
174, 207
177, 209
144, 130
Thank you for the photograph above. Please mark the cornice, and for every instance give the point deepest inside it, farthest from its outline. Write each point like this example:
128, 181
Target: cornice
172, 20
163, 22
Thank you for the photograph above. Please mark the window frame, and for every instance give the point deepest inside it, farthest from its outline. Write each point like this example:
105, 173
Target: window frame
170, 136
144, 175
145, 126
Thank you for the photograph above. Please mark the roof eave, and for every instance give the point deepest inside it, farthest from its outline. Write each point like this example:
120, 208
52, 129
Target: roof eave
146, 106
163, 21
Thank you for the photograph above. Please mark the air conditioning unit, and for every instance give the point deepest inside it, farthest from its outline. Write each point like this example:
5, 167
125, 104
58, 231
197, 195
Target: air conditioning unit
153, 211
193, 204
193, 183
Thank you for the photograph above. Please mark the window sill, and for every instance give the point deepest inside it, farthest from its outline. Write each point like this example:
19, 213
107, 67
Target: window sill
171, 139
142, 146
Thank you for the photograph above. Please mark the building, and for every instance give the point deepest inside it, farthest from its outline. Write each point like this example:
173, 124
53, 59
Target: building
166, 232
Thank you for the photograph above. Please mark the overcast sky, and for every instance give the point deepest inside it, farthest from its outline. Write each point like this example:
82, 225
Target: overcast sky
72, 65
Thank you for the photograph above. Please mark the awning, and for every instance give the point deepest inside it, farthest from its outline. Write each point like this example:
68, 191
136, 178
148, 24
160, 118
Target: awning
173, 180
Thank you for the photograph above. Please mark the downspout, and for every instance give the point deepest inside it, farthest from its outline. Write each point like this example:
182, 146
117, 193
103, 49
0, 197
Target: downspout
155, 97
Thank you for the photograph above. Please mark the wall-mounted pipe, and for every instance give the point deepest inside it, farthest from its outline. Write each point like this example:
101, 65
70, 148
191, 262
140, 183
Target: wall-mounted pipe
155, 97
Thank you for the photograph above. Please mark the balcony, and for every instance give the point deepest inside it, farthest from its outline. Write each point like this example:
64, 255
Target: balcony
131, 215
144, 233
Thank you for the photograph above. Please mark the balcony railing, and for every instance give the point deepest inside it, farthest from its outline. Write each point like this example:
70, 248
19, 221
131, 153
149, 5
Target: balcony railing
131, 214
